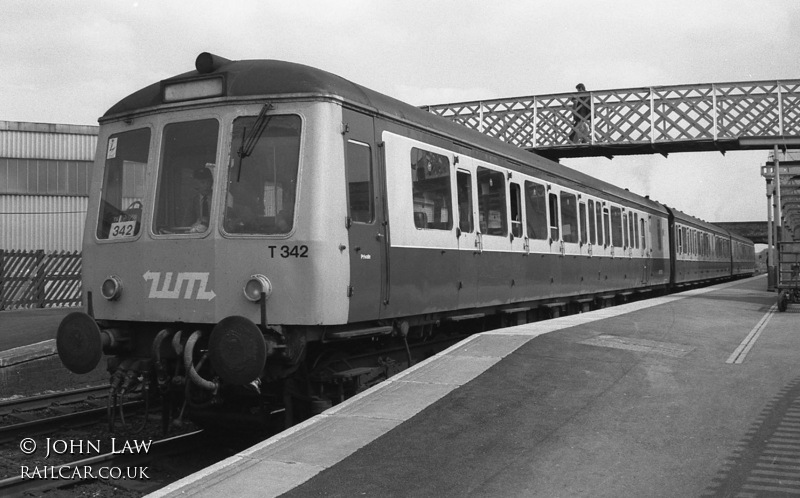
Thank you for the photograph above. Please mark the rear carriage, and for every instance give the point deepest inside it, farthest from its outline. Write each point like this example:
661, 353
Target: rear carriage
743, 256
702, 251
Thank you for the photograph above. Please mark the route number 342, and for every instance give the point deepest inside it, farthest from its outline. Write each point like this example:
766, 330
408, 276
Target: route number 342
122, 229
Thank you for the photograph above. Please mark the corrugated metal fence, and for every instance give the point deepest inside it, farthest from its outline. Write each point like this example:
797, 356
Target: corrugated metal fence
35, 279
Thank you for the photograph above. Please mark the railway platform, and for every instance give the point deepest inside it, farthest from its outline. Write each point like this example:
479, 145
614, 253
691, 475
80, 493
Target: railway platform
29, 363
691, 394
29, 334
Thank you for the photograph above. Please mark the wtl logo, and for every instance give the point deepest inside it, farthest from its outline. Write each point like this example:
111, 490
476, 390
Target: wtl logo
170, 291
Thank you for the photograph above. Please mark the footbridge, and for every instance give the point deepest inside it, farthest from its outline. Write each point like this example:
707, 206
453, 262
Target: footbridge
663, 119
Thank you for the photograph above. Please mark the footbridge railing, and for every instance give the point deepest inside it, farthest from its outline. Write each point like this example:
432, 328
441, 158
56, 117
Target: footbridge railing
718, 116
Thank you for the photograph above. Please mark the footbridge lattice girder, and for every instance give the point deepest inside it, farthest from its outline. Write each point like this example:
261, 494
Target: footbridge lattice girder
719, 116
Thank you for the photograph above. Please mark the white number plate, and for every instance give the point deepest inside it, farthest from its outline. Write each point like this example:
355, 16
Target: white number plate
122, 229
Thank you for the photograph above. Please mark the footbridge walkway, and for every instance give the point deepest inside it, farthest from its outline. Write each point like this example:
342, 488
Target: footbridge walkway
664, 119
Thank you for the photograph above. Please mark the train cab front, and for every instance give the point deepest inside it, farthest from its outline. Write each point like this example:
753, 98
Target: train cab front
196, 255
178, 267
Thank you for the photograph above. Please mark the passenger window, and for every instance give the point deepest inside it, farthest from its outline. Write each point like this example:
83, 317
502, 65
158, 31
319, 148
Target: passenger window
625, 238
606, 227
658, 235
430, 175
516, 212
465, 221
689, 241
592, 224
569, 217
582, 212
616, 226
536, 210
359, 182
598, 210
631, 239
553, 205
687, 246
682, 238
492, 202
643, 232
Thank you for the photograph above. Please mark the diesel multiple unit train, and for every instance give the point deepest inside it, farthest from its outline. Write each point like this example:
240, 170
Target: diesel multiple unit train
263, 234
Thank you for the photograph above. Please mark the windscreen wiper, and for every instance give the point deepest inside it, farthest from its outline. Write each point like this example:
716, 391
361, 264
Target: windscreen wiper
249, 141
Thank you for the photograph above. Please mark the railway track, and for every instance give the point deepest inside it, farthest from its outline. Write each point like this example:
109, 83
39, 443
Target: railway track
49, 400
63, 441
128, 467
53, 411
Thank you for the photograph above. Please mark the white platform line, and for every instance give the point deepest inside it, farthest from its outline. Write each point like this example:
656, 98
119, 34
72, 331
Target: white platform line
747, 344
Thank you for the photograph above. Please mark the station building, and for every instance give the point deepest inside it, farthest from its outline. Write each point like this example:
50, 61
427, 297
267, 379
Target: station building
45, 175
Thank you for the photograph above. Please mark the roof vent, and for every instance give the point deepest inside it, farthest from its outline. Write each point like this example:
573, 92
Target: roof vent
208, 63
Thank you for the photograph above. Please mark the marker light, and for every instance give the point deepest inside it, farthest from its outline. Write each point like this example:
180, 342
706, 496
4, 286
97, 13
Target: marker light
112, 288
257, 285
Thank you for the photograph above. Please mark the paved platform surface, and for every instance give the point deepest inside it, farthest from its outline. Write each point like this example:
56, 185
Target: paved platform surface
20, 328
29, 363
693, 394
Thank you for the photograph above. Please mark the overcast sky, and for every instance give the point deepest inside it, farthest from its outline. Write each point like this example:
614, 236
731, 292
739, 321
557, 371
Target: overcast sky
69, 61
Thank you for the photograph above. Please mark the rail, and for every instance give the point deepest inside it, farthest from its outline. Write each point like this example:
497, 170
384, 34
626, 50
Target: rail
715, 116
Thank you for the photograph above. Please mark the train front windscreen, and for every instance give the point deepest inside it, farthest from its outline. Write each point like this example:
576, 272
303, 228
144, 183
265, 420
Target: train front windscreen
261, 178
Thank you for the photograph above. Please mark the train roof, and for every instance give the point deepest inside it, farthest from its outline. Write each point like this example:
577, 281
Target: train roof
740, 238
279, 79
687, 219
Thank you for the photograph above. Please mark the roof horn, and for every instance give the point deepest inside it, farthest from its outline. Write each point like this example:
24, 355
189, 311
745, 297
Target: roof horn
207, 63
